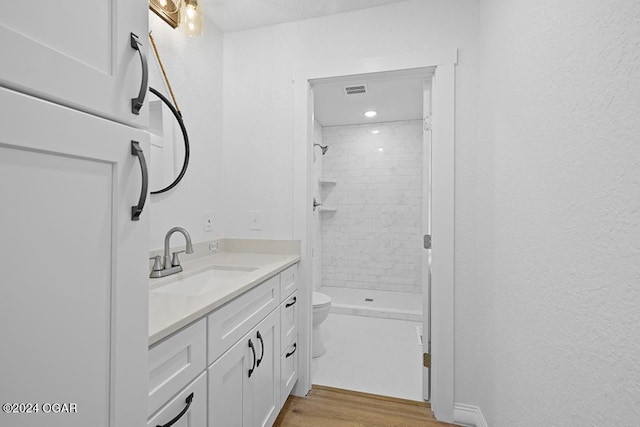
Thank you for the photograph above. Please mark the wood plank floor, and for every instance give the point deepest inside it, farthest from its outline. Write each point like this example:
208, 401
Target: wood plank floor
328, 406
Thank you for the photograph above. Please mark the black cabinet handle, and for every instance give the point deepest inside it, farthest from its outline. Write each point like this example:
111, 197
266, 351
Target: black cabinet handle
262, 347
137, 210
136, 103
295, 347
291, 303
188, 400
253, 350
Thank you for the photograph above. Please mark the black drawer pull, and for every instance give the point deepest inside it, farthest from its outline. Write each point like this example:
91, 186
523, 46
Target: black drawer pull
262, 346
137, 209
188, 400
137, 102
291, 303
253, 350
295, 347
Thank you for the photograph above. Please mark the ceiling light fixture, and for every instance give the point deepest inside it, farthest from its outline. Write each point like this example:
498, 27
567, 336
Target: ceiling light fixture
370, 113
376, 131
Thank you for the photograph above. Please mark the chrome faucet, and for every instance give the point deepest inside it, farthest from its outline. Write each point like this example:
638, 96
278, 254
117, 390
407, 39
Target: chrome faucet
168, 265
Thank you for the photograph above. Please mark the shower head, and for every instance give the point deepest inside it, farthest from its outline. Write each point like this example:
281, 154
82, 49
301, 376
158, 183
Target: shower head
324, 148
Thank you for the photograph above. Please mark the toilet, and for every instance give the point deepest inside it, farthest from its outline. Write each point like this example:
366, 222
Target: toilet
321, 306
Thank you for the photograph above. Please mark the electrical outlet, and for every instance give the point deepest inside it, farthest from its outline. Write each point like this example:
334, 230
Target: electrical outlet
255, 220
208, 221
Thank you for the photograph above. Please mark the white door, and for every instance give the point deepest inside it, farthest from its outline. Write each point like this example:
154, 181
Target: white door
426, 231
74, 267
229, 391
265, 381
76, 53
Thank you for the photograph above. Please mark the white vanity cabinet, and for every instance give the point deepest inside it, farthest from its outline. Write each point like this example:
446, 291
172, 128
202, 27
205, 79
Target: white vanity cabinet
238, 348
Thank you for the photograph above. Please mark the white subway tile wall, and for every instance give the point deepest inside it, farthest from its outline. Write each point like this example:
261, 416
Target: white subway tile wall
373, 240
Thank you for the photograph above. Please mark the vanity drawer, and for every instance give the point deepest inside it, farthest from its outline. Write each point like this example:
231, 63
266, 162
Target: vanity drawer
288, 320
288, 283
174, 362
233, 320
288, 370
195, 416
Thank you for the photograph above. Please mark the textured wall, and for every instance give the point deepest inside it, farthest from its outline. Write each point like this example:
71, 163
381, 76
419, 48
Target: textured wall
373, 240
555, 310
194, 66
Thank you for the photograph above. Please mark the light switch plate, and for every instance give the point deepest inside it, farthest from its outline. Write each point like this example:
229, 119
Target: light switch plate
255, 220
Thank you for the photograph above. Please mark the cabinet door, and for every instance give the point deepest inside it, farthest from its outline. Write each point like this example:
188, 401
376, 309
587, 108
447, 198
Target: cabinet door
229, 392
74, 266
265, 381
77, 53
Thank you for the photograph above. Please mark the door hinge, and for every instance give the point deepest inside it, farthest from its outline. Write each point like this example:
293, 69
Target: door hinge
426, 360
427, 241
427, 123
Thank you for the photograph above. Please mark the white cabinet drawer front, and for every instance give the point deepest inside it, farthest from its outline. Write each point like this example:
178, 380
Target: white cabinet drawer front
232, 321
174, 362
288, 370
196, 414
288, 282
288, 320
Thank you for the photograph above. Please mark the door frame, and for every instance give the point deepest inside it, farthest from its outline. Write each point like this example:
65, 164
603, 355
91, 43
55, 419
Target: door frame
442, 219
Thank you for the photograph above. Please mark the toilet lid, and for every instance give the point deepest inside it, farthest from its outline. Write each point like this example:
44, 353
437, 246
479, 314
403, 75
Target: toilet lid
320, 299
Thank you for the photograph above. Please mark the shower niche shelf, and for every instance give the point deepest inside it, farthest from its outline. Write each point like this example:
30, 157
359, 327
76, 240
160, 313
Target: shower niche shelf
326, 182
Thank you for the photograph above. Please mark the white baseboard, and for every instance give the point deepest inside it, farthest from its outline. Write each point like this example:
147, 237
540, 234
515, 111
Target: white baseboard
468, 415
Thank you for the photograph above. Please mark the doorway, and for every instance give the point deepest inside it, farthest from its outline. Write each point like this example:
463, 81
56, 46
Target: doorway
441, 360
370, 178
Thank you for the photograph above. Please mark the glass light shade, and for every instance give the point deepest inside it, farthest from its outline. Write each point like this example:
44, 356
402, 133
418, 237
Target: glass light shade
191, 18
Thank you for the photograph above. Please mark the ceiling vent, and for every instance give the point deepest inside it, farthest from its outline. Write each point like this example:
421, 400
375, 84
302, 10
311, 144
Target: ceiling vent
355, 89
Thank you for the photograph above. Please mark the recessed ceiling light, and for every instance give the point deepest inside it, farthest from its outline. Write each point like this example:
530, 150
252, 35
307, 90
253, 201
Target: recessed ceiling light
381, 149
370, 113
375, 131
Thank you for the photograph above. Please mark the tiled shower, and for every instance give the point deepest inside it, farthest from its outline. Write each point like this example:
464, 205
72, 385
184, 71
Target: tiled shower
367, 233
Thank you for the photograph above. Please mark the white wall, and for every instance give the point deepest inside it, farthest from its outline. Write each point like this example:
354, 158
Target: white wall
549, 333
373, 240
258, 92
194, 66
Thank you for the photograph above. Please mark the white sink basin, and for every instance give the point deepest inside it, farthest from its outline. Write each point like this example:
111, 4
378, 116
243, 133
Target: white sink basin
204, 282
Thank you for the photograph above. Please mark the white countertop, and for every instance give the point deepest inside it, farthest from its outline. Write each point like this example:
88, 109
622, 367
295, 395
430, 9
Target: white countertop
170, 311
